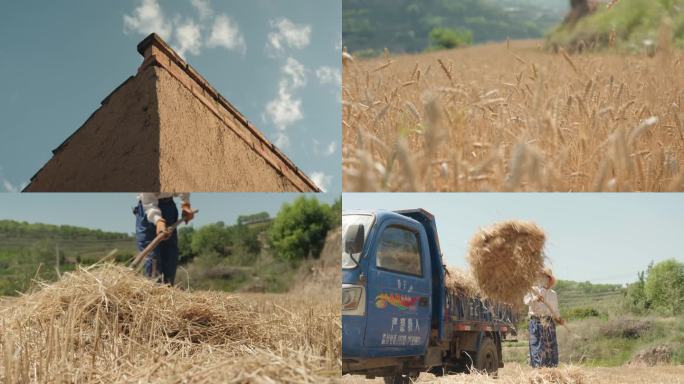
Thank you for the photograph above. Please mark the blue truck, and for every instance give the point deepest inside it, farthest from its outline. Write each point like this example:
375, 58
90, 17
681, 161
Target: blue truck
398, 316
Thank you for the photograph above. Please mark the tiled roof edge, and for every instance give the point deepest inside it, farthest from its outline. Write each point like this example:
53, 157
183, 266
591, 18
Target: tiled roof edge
145, 48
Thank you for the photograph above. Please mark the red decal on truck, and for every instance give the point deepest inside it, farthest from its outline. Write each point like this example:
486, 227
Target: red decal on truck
396, 300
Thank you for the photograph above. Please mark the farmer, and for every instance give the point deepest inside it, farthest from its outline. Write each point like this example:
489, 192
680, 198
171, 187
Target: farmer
543, 311
154, 212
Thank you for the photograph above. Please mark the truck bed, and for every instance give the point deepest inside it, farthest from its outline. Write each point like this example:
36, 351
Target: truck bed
464, 313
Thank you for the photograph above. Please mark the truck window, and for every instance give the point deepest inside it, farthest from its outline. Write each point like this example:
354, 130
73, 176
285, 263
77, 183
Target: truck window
398, 251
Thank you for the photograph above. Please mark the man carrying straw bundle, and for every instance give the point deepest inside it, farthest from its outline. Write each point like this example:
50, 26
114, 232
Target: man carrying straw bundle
542, 302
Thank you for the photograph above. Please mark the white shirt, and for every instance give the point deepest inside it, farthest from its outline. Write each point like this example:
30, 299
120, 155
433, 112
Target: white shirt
150, 203
548, 306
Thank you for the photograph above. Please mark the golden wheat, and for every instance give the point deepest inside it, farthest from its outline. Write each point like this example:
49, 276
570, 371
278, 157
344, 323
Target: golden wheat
513, 117
105, 324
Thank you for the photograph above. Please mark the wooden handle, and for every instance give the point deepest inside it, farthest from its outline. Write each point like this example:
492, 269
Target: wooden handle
154, 243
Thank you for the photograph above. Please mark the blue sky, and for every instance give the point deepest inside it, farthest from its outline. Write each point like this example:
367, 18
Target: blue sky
277, 61
603, 238
113, 211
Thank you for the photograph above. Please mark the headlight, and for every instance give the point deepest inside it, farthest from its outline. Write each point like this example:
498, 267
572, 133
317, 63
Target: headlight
351, 297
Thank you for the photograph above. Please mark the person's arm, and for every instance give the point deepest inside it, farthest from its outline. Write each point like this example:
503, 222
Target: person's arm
150, 203
528, 299
552, 302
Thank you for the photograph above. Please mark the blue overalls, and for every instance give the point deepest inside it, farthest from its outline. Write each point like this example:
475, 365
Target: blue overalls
166, 253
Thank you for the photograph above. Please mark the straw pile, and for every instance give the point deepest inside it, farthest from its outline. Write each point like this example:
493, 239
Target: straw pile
506, 259
460, 282
106, 324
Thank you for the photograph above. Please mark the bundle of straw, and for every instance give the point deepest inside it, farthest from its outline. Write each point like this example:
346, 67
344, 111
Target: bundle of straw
107, 324
506, 259
460, 282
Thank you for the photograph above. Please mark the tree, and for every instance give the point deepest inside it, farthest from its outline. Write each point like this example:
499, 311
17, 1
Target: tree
211, 238
635, 295
185, 235
664, 287
299, 229
448, 38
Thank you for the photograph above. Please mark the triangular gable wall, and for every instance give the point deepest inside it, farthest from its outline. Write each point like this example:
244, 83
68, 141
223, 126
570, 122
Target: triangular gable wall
167, 129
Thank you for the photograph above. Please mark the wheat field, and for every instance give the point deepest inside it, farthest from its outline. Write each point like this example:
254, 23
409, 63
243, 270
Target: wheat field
514, 117
105, 324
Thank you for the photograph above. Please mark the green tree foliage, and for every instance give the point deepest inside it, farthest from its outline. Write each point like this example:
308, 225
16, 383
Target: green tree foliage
660, 289
635, 295
300, 228
11, 228
664, 287
337, 212
185, 235
449, 38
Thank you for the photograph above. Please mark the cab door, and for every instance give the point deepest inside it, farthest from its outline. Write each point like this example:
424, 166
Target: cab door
399, 291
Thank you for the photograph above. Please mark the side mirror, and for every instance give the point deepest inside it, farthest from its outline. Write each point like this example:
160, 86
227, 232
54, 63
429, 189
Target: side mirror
353, 239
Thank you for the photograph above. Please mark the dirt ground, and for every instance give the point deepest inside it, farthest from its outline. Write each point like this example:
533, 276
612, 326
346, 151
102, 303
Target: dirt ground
517, 374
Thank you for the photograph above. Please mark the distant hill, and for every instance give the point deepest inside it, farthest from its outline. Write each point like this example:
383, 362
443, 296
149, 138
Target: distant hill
631, 25
30, 250
404, 25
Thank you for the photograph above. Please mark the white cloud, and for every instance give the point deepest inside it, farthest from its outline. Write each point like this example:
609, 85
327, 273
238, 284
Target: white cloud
281, 140
330, 150
296, 72
285, 109
203, 8
329, 75
148, 18
321, 180
188, 38
226, 33
288, 34
7, 186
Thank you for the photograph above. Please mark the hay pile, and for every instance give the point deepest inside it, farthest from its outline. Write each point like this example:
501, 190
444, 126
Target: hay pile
460, 282
506, 259
106, 324
650, 357
565, 375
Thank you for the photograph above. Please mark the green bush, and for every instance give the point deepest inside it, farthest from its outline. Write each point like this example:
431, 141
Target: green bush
448, 38
300, 228
659, 289
664, 287
581, 313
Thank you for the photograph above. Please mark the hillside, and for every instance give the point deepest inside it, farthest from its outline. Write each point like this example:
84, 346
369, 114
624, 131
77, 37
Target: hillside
629, 26
228, 257
404, 25
34, 250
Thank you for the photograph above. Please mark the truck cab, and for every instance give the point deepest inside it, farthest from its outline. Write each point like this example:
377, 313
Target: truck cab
397, 317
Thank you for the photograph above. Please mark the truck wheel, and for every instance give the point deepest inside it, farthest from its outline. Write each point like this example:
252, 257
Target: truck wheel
397, 379
487, 359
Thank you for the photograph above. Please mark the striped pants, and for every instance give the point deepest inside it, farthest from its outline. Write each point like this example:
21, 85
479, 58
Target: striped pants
543, 343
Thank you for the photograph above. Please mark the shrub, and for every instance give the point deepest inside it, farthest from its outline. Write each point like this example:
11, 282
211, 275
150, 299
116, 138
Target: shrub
581, 313
448, 38
664, 287
300, 228
626, 328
